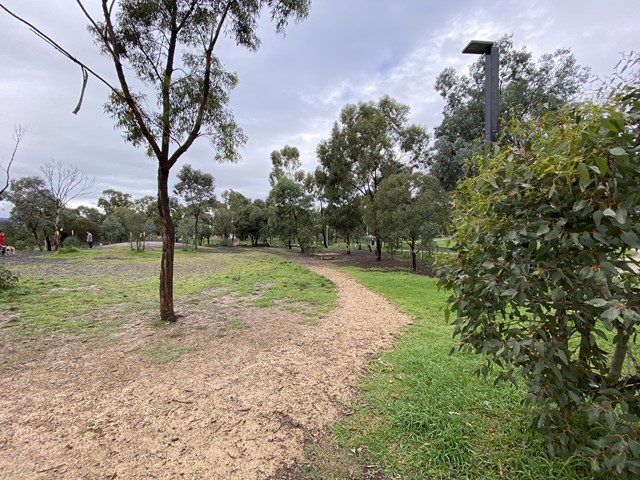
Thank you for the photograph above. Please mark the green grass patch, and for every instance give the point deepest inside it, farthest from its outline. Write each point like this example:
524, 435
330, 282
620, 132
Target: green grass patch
94, 291
424, 414
273, 280
165, 353
238, 325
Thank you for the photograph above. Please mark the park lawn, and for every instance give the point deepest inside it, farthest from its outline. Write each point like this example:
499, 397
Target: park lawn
91, 291
423, 413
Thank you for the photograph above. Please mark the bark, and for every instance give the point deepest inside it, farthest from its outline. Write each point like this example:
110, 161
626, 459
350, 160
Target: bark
585, 348
168, 234
35, 235
378, 249
619, 354
196, 237
414, 264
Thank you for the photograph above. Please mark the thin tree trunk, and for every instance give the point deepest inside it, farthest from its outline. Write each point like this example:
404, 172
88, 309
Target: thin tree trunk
196, 238
166, 266
619, 354
378, 249
414, 265
35, 235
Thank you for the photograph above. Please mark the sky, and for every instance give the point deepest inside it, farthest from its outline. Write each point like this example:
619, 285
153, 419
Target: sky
290, 91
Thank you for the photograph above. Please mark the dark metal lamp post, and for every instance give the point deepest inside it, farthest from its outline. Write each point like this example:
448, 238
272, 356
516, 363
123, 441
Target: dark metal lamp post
491, 57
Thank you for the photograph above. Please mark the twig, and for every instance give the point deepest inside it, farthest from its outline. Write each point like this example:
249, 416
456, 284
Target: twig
51, 468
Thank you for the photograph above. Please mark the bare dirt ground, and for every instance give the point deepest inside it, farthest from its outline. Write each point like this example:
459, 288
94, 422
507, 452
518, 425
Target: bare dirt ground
241, 406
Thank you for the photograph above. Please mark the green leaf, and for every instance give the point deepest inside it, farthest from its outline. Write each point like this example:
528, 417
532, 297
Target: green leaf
621, 215
543, 229
596, 302
609, 213
630, 238
563, 357
610, 314
579, 205
602, 165
617, 151
584, 172
597, 217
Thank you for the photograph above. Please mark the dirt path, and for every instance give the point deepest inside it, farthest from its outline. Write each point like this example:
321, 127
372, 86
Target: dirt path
240, 407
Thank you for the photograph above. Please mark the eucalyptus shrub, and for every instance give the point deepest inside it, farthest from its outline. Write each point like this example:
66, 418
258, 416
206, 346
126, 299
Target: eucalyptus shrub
8, 279
546, 285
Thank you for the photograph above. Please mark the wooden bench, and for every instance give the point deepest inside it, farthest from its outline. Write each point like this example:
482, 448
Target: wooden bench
326, 255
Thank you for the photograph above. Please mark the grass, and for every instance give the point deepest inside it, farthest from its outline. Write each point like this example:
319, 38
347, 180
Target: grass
271, 280
94, 291
165, 353
424, 414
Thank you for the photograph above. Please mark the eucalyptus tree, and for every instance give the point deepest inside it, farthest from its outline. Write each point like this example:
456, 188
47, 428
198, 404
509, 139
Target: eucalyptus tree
413, 207
251, 221
112, 199
90, 213
196, 188
112, 229
371, 141
527, 88
226, 213
33, 205
290, 198
168, 46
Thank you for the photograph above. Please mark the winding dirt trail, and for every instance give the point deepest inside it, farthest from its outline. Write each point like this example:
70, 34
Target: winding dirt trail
240, 407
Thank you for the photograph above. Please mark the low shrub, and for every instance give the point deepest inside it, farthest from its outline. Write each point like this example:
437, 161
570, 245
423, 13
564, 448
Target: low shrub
8, 279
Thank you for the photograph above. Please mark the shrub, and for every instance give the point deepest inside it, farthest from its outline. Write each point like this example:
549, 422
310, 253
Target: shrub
545, 286
8, 279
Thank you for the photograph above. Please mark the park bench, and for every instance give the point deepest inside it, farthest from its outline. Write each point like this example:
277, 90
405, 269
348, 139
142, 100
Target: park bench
326, 255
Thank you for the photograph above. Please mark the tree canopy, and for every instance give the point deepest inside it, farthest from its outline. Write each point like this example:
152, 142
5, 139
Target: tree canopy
196, 188
372, 140
527, 88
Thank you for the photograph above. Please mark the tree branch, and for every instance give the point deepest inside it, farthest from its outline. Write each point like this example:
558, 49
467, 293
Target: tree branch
60, 49
126, 94
18, 133
195, 131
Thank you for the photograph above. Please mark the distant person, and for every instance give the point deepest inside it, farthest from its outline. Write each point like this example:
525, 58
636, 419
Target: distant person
2, 247
63, 236
90, 239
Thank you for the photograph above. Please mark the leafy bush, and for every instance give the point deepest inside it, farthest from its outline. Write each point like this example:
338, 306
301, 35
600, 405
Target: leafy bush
71, 244
8, 279
546, 286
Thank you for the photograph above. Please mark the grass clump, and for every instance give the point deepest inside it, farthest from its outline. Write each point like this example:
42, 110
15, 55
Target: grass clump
423, 413
165, 353
238, 325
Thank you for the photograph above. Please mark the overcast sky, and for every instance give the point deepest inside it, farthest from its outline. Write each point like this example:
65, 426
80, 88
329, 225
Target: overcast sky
291, 90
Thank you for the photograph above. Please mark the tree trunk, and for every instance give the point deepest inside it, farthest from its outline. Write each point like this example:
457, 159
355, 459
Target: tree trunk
35, 235
619, 354
56, 231
378, 249
196, 238
412, 247
168, 236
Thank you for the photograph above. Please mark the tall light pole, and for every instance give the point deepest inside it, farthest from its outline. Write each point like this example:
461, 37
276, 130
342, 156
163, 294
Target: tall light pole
491, 104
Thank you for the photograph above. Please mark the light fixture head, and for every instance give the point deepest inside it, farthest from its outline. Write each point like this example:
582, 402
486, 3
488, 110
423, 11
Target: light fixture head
478, 47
